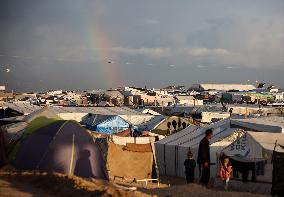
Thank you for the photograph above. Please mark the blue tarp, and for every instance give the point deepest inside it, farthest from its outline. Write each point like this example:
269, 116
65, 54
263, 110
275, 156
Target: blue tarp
108, 124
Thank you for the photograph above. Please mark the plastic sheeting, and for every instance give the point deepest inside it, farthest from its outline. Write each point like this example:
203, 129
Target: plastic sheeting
107, 124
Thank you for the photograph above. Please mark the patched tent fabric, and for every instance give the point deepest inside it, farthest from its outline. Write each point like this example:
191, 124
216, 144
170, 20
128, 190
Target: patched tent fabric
130, 164
63, 147
107, 124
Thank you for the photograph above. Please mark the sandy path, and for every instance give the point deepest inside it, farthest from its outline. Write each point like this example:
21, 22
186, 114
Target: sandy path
12, 188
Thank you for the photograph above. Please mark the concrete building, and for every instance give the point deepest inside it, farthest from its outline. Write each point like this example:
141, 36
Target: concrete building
222, 87
187, 100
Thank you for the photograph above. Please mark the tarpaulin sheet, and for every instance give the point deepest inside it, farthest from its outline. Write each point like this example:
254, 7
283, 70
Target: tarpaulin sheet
129, 164
138, 147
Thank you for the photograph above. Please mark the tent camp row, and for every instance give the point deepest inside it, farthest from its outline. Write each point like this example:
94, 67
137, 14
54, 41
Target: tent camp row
246, 149
107, 124
77, 113
171, 151
23, 108
64, 146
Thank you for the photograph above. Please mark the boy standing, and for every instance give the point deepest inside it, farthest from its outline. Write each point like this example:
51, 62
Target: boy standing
189, 165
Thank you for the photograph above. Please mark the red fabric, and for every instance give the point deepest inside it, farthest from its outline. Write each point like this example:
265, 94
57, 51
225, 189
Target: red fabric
225, 172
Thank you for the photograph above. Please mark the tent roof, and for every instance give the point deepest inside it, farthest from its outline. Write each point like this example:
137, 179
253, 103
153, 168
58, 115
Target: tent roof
191, 136
45, 112
98, 119
148, 111
45, 152
152, 123
24, 108
267, 140
97, 110
266, 124
254, 145
221, 137
179, 135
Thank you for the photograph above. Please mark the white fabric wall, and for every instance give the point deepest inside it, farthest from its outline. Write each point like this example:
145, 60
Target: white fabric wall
171, 151
72, 116
136, 140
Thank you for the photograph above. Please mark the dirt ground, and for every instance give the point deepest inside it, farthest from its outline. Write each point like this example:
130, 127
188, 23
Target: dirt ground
43, 184
13, 188
27, 184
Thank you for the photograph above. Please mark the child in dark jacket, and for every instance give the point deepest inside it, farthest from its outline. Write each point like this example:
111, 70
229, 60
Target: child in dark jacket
189, 165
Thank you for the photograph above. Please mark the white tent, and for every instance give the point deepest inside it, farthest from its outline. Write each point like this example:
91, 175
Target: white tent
273, 124
254, 147
171, 151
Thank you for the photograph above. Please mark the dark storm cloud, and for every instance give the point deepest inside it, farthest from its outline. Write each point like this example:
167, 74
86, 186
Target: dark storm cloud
67, 43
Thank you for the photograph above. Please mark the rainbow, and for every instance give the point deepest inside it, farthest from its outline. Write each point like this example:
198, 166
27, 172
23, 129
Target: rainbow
100, 44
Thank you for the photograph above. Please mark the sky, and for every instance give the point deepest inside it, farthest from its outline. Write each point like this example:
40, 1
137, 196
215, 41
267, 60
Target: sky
89, 44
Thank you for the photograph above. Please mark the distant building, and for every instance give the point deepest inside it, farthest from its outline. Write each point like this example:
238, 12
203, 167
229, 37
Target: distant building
54, 92
279, 96
4, 96
222, 87
187, 100
2, 88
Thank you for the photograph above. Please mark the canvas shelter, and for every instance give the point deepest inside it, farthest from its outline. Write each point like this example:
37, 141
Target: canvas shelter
20, 108
152, 124
108, 124
36, 119
172, 150
131, 157
63, 147
257, 149
273, 124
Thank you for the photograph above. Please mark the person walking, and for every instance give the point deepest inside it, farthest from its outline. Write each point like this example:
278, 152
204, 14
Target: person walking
174, 123
203, 158
189, 165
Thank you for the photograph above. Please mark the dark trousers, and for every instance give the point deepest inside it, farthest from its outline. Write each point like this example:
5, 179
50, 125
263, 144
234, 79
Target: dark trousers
189, 177
205, 175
